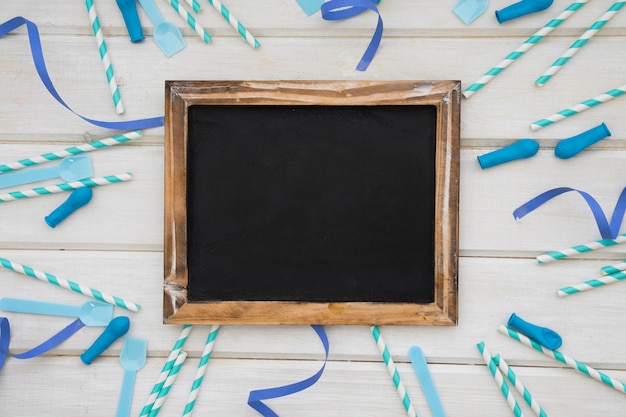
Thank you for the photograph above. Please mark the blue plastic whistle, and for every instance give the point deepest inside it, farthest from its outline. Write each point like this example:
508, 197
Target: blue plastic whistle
548, 338
523, 148
521, 8
572, 146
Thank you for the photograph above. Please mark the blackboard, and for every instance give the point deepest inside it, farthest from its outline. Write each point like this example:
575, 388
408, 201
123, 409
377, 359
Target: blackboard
311, 202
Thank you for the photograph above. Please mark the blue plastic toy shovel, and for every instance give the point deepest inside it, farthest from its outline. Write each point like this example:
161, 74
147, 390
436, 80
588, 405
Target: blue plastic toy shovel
71, 168
90, 313
132, 358
166, 34
468, 10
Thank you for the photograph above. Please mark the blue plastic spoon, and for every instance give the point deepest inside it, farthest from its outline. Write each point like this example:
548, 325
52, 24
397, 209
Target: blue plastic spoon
91, 313
132, 358
166, 34
71, 168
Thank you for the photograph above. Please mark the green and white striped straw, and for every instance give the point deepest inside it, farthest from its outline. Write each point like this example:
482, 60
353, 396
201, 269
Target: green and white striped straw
65, 186
69, 285
579, 108
519, 386
167, 367
497, 375
393, 371
235, 23
613, 269
104, 56
523, 48
74, 150
591, 284
579, 43
191, 21
194, 5
202, 367
167, 385
577, 250
571, 362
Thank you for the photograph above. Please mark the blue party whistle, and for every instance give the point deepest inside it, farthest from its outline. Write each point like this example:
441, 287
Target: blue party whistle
572, 146
523, 148
76, 200
548, 338
522, 8
117, 328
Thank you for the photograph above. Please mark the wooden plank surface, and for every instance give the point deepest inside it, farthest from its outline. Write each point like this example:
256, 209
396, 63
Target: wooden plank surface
115, 244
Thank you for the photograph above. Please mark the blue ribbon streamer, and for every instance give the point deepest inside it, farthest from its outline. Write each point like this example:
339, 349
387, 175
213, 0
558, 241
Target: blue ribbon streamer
54, 341
255, 399
607, 231
40, 66
344, 9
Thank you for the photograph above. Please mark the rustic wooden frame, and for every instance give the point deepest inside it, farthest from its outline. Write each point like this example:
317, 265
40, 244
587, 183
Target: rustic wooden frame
444, 95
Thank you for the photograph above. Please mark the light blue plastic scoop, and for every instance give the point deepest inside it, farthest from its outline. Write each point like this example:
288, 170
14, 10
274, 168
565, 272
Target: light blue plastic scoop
468, 10
91, 313
428, 386
166, 34
71, 168
132, 358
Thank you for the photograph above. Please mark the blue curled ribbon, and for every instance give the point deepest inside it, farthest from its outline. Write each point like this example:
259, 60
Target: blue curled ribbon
255, 399
54, 341
344, 9
607, 231
40, 66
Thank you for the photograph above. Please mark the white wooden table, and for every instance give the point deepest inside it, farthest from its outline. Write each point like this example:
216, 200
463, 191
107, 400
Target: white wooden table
116, 243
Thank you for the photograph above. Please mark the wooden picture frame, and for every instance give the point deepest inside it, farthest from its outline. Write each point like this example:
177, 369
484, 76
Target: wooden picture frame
181, 96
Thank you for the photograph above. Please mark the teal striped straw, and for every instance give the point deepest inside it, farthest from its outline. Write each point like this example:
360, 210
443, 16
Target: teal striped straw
579, 108
519, 386
579, 43
74, 150
167, 385
194, 5
497, 375
393, 372
191, 21
571, 362
202, 367
529, 43
167, 367
69, 285
235, 23
579, 249
613, 269
104, 56
591, 284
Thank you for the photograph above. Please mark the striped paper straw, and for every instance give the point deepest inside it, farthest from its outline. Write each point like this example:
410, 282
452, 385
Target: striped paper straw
591, 284
577, 250
571, 362
167, 385
579, 108
519, 386
194, 5
529, 43
69, 285
579, 43
202, 366
187, 17
393, 371
235, 23
497, 375
74, 150
104, 56
613, 269
65, 186
167, 367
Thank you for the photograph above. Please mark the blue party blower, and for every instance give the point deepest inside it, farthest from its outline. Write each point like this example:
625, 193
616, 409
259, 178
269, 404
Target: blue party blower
548, 338
523, 148
117, 328
572, 146
76, 200
521, 8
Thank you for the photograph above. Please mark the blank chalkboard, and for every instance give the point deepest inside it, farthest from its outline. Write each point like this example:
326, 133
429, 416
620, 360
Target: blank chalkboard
304, 202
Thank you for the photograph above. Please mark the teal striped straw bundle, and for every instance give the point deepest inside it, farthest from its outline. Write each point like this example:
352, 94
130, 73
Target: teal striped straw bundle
191, 21
561, 357
167, 384
579, 43
235, 23
519, 386
499, 379
527, 45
